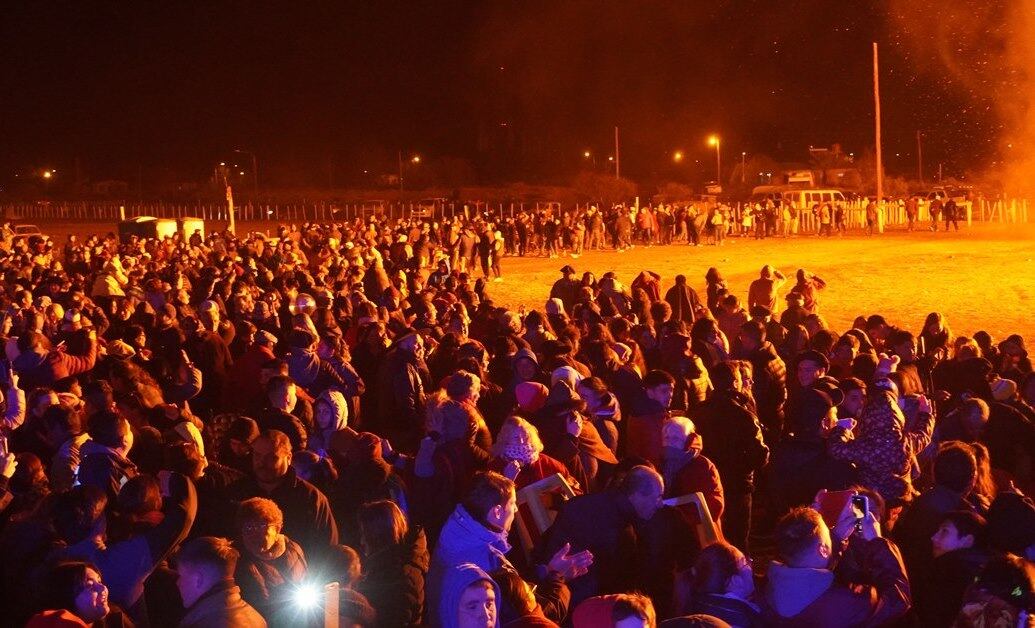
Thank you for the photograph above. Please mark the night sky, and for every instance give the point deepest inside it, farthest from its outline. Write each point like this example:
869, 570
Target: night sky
520, 89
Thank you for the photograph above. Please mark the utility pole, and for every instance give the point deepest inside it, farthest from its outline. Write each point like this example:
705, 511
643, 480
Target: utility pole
400, 170
919, 159
876, 108
618, 168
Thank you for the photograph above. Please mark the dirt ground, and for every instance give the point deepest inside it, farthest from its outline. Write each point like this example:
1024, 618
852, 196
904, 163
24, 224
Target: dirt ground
980, 278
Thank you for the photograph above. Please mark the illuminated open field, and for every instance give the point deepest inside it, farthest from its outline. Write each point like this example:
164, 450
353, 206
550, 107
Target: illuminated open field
981, 278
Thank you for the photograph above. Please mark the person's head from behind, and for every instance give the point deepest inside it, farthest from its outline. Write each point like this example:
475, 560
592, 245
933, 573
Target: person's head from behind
271, 456
381, 525
61, 423
959, 529
751, 335
463, 386
955, 467
76, 587
259, 523
722, 569
139, 496
344, 565
633, 610
491, 501
109, 429
973, 417
201, 564
643, 487
78, 514
282, 392
97, 395
659, 387
803, 539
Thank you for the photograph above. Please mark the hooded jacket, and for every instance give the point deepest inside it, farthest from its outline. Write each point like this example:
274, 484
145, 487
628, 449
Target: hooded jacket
311, 373
810, 597
320, 439
456, 580
464, 540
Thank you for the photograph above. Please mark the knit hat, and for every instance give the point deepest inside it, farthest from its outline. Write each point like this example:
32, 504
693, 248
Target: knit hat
265, 338
1004, 389
594, 612
554, 307
301, 339
243, 429
563, 398
531, 396
566, 374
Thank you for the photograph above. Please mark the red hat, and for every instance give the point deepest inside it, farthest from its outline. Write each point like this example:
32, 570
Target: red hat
531, 396
595, 612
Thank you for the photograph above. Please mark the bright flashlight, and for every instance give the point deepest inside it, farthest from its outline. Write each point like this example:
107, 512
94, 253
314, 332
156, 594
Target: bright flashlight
308, 597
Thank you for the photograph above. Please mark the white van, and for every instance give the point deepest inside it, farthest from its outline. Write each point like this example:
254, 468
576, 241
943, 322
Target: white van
805, 199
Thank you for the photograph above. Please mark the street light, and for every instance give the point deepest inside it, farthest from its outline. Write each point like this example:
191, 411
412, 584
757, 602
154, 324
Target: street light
714, 141
586, 154
743, 156
677, 156
415, 159
255, 169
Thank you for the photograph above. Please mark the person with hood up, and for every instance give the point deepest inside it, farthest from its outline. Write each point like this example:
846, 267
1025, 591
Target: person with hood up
686, 305
808, 286
650, 282
881, 447
470, 599
613, 299
330, 415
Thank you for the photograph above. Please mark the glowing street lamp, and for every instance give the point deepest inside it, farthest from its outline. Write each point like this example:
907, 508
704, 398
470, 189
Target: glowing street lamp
713, 140
415, 159
586, 154
48, 174
677, 156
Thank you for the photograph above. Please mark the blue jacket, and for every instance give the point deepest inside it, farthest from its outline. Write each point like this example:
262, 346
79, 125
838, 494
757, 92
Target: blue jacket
464, 540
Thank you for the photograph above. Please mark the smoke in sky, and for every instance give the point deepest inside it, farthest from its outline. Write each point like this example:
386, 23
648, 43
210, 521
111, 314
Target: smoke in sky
986, 51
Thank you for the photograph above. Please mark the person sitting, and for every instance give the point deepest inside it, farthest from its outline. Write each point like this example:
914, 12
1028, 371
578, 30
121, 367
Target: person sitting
270, 562
73, 595
469, 599
802, 589
720, 584
205, 569
518, 454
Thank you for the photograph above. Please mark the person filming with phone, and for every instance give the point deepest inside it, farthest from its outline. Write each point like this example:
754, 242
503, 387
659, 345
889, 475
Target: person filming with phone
811, 583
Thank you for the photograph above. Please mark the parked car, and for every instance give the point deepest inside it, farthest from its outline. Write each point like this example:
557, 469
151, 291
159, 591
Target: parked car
27, 230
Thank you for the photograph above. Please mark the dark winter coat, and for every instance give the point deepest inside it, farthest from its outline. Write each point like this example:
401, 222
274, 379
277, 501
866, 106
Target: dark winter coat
393, 581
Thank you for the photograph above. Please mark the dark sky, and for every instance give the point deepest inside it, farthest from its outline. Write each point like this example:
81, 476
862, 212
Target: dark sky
178, 85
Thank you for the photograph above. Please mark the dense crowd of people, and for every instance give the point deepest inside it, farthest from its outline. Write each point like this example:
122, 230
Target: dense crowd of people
204, 431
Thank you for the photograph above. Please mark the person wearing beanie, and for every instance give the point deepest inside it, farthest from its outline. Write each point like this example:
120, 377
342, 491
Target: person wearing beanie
530, 396
572, 440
